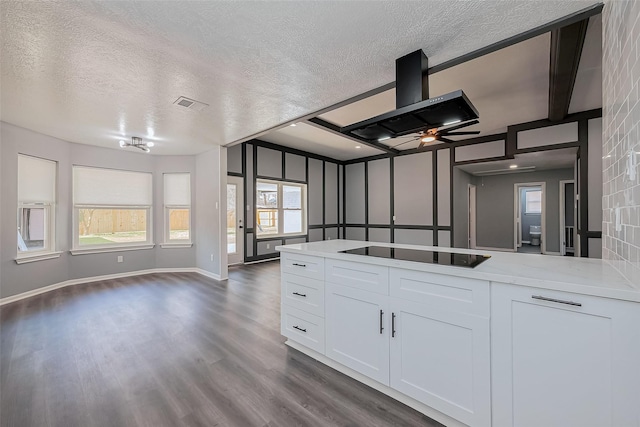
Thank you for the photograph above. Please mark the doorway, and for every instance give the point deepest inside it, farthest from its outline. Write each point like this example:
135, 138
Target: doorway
235, 220
529, 214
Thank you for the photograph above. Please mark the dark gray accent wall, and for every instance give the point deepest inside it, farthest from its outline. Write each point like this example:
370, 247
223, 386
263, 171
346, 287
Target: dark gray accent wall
269, 163
234, 159
569, 205
379, 187
495, 201
461, 182
263, 160
413, 189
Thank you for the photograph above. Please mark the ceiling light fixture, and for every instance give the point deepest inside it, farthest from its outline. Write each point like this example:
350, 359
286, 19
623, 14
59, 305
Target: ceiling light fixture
138, 143
452, 122
358, 146
513, 166
292, 125
429, 138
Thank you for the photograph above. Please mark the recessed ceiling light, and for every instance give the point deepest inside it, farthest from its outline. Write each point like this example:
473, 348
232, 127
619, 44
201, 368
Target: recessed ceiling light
428, 139
122, 143
150, 144
292, 125
513, 166
452, 122
384, 138
358, 146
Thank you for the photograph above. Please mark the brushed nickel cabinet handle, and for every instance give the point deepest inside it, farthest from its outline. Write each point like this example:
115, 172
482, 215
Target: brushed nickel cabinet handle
559, 301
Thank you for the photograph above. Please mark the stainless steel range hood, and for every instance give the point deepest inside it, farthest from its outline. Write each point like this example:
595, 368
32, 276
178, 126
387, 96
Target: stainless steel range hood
415, 111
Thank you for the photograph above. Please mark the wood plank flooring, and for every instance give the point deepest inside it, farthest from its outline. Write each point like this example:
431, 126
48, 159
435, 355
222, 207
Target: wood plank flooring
172, 350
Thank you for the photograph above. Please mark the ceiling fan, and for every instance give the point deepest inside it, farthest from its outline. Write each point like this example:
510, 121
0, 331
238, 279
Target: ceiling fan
432, 135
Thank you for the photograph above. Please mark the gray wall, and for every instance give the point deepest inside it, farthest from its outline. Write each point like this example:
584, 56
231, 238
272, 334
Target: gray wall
15, 279
494, 207
322, 176
528, 219
461, 181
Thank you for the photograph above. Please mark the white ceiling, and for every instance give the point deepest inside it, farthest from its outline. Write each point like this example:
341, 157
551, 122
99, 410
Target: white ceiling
541, 160
94, 72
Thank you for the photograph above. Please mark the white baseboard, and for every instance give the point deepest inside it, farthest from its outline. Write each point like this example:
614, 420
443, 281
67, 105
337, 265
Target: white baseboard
72, 282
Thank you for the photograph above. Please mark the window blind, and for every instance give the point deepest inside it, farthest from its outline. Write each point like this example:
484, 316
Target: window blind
111, 187
177, 189
36, 180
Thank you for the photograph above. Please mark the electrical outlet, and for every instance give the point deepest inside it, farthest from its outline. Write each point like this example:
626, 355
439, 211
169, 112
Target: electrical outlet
120, 258
211, 257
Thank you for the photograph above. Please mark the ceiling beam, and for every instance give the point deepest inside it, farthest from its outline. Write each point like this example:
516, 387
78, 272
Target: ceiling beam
330, 127
566, 50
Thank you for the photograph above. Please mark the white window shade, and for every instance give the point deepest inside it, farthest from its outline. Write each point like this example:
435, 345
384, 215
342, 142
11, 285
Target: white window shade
36, 180
110, 187
177, 189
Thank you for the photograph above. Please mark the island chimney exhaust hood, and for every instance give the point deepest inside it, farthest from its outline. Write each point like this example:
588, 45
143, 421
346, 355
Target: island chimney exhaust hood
415, 112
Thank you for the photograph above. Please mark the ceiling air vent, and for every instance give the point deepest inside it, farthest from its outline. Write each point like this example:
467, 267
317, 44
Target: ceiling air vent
191, 104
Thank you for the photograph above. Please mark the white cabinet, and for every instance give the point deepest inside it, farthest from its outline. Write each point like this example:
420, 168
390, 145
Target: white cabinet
442, 358
563, 359
357, 335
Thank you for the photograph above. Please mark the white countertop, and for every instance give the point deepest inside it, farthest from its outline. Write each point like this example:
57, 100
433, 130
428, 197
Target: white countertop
581, 275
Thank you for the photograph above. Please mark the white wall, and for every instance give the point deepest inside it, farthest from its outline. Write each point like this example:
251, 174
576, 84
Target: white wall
16, 279
621, 127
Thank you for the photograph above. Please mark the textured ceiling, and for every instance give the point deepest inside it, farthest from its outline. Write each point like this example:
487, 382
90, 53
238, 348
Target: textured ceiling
93, 72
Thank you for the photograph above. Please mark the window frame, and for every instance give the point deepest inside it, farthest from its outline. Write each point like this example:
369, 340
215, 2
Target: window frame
167, 241
280, 209
50, 244
77, 249
527, 211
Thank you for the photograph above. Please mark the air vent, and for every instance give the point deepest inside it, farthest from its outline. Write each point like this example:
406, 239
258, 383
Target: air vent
505, 171
191, 104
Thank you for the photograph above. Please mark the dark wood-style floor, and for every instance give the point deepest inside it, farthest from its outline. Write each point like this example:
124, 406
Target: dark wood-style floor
172, 350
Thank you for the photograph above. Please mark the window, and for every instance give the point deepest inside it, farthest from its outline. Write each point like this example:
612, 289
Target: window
177, 208
36, 206
280, 208
533, 201
112, 208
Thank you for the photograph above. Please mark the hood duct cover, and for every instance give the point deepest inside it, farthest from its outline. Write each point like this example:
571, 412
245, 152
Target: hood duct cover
415, 111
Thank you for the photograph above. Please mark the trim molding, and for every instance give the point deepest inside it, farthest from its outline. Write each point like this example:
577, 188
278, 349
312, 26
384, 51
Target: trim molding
487, 248
72, 282
38, 257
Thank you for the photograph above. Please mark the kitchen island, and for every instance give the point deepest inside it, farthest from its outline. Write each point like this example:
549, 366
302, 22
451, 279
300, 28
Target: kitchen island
516, 340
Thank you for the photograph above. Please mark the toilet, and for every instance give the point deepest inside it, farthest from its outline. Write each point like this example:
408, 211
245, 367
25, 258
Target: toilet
534, 235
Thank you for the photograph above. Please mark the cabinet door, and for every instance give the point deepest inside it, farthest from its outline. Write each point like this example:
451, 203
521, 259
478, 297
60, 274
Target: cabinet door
562, 359
442, 358
357, 330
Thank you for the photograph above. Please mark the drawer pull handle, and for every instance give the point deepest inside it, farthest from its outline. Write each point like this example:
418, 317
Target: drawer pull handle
381, 327
299, 265
393, 325
300, 295
559, 301
300, 329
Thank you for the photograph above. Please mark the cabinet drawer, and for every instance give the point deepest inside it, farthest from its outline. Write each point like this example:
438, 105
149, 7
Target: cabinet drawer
303, 293
302, 265
303, 328
368, 277
458, 294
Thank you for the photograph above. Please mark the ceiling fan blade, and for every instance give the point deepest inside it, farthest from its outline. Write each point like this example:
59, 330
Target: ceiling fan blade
405, 142
471, 132
450, 141
461, 125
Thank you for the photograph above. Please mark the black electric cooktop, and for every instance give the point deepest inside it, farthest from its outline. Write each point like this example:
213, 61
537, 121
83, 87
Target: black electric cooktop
418, 255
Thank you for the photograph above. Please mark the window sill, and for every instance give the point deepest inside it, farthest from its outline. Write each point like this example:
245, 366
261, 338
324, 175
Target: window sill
176, 245
281, 236
88, 251
37, 257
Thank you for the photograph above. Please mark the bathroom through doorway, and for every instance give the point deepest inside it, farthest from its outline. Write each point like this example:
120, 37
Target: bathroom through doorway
529, 217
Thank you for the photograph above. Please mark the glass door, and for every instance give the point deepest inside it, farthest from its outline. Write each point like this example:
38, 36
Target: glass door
235, 220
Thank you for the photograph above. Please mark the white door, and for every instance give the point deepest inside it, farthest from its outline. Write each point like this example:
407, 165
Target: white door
561, 359
442, 358
472, 216
235, 220
357, 330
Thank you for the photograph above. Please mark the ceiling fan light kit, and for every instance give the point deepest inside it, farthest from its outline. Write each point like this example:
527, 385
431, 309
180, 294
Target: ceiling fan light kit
138, 143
